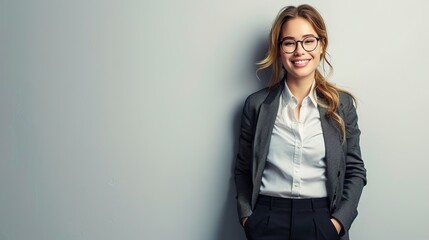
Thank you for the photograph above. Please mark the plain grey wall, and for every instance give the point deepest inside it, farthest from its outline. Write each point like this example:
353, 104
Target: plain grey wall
119, 119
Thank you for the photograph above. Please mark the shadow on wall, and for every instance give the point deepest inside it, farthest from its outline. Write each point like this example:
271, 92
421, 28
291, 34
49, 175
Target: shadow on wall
228, 224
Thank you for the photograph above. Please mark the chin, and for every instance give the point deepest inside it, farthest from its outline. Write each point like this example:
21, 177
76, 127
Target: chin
300, 75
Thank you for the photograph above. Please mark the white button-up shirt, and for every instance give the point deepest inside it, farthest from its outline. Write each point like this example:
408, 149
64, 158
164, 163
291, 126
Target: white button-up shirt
295, 166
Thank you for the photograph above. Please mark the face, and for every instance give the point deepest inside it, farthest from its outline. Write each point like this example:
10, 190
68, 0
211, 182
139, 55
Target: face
300, 65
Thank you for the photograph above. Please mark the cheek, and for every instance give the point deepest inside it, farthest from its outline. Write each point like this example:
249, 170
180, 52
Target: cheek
285, 57
318, 55
284, 61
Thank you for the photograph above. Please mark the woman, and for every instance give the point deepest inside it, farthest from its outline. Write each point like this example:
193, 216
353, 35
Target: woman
299, 172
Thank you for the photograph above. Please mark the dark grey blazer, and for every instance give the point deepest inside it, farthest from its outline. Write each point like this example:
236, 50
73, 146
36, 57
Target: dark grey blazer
346, 174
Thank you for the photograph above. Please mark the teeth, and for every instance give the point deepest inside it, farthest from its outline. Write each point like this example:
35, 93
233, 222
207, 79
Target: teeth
300, 61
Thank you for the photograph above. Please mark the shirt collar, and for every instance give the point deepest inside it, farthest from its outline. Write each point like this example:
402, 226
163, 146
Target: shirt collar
287, 94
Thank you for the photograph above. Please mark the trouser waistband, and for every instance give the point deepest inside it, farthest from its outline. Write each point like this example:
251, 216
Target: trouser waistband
292, 203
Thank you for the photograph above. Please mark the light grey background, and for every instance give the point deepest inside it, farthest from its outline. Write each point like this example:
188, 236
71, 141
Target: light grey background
119, 119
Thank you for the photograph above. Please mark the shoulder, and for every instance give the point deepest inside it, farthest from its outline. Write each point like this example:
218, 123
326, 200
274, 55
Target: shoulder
258, 97
267, 95
345, 96
347, 106
346, 100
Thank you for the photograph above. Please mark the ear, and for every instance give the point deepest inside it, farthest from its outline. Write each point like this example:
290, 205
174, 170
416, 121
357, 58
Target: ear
322, 45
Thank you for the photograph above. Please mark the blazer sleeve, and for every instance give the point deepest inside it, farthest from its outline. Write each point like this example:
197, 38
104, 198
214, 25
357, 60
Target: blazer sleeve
355, 172
242, 172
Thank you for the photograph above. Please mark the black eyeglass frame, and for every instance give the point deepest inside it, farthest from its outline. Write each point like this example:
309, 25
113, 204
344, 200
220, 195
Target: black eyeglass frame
302, 43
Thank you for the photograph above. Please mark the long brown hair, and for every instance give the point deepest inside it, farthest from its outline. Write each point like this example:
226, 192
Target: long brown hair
328, 93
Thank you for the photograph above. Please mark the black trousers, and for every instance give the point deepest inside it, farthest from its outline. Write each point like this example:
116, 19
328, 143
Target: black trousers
290, 219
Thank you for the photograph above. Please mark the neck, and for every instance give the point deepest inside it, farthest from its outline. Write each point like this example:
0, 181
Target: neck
300, 88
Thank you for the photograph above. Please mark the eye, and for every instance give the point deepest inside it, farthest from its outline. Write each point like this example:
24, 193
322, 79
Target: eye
309, 41
288, 43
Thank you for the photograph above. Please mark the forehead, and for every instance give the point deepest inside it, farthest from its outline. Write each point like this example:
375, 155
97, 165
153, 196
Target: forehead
297, 28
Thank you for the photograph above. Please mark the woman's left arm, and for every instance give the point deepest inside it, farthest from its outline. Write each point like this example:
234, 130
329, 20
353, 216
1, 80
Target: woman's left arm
355, 172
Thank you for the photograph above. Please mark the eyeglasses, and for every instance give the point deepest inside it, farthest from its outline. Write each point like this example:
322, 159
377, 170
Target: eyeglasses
308, 44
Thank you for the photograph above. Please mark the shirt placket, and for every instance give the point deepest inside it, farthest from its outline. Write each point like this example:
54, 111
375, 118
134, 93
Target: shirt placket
297, 155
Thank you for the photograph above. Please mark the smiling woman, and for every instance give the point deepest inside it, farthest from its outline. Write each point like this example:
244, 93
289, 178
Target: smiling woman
300, 63
299, 172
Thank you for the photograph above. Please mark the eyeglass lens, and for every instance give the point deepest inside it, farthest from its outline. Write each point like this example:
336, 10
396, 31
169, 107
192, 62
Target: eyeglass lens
308, 44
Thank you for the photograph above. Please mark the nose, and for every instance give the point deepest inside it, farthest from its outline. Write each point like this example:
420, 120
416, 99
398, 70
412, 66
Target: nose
299, 49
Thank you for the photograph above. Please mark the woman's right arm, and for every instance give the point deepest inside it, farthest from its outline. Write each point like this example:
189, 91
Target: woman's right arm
243, 177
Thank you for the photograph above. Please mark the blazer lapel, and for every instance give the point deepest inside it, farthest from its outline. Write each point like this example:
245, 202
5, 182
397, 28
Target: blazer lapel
264, 128
331, 135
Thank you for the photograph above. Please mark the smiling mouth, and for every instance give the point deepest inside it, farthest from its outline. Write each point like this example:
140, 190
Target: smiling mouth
300, 63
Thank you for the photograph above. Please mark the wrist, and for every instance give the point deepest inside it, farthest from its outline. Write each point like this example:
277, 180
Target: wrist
337, 225
243, 221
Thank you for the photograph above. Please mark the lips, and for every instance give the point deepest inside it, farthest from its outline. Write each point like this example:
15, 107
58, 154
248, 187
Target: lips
300, 62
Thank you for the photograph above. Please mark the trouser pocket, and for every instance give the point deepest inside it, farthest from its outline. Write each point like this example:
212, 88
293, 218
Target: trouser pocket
257, 224
325, 228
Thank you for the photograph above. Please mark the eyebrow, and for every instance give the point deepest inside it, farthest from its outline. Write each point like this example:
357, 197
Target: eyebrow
303, 36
